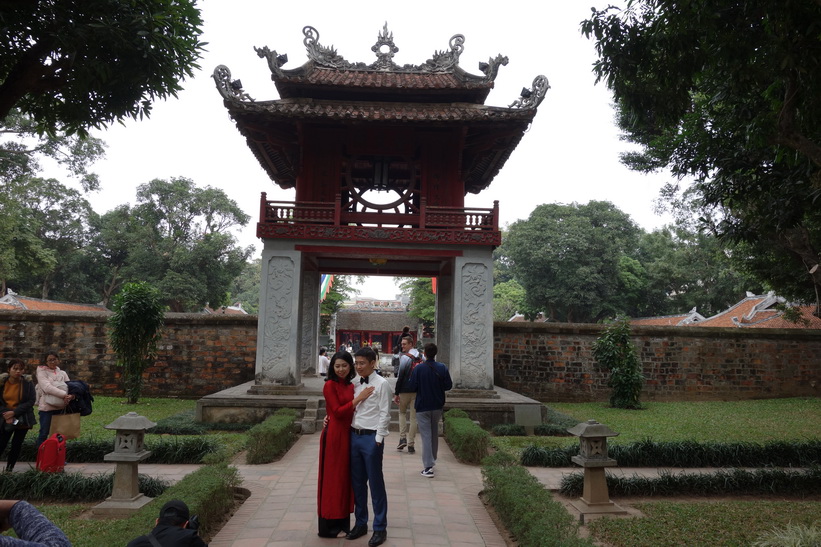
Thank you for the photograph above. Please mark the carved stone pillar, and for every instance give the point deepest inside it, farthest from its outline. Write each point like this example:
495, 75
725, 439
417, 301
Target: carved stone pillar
278, 327
309, 321
444, 315
472, 323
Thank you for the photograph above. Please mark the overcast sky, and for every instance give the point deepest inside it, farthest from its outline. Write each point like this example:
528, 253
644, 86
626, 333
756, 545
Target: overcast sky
570, 154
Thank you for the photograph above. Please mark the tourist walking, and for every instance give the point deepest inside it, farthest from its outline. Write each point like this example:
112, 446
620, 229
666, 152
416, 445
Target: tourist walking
405, 397
430, 380
52, 393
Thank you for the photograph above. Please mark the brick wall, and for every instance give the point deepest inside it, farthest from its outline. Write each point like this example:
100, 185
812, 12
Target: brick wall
202, 354
554, 362
197, 355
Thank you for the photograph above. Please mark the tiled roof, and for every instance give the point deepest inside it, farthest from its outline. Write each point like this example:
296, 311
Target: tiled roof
384, 321
378, 111
754, 312
383, 79
17, 302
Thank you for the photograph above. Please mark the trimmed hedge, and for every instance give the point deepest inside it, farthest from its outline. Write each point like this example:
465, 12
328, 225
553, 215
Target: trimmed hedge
272, 438
648, 453
37, 486
526, 507
168, 449
734, 481
469, 442
207, 492
182, 423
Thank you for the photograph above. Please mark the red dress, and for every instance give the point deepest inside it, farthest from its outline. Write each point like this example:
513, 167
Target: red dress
334, 493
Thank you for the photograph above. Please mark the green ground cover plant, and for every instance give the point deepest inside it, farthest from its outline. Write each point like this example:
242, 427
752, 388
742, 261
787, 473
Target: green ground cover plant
469, 442
710, 523
272, 438
526, 507
722, 482
35, 486
790, 535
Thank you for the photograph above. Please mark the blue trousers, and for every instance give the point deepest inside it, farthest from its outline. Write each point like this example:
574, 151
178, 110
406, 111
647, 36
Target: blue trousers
45, 425
366, 470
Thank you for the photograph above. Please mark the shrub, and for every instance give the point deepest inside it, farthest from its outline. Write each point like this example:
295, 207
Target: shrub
791, 535
734, 481
509, 430
207, 492
468, 441
526, 507
614, 350
649, 453
272, 438
182, 423
163, 449
69, 487
551, 430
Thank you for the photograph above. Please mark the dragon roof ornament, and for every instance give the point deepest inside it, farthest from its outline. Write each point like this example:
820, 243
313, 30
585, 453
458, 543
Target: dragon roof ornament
385, 49
442, 62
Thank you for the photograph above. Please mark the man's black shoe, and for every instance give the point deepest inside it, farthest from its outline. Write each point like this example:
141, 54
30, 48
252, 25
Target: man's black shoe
378, 538
358, 532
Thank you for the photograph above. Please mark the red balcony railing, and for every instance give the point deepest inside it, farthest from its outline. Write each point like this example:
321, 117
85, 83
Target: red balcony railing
338, 221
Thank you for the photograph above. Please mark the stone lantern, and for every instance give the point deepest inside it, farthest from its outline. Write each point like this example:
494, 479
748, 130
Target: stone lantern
129, 450
593, 458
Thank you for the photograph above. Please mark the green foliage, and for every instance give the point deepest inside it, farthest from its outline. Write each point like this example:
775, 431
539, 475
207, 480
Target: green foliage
469, 442
568, 258
790, 535
134, 331
62, 63
648, 453
422, 300
733, 481
272, 438
69, 487
526, 507
245, 286
207, 491
508, 430
614, 350
725, 522
164, 449
182, 423
508, 300
727, 93
341, 290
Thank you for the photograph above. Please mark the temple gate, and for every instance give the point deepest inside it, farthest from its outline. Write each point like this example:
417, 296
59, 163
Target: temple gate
381, 157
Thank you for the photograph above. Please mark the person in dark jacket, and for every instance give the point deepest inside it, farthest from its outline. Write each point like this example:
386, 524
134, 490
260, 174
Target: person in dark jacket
17, 397
173, 529
430, 380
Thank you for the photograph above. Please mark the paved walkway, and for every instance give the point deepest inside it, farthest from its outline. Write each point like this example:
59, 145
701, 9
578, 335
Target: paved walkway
445, 510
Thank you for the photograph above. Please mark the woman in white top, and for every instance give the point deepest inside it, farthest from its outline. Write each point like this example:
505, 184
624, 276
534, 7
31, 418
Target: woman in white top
47, 376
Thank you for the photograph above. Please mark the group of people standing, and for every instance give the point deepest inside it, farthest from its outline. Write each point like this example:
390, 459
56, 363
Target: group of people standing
18, 395
352, 444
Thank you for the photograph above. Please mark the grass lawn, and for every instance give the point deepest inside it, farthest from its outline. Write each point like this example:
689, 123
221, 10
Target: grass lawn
735, 421
108, 409
708, 523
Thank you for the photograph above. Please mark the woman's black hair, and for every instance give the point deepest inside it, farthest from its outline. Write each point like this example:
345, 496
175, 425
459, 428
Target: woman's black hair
15, 361
345, 356
45, 356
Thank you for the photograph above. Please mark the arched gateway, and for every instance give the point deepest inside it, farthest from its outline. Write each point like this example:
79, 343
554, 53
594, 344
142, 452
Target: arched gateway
381, 157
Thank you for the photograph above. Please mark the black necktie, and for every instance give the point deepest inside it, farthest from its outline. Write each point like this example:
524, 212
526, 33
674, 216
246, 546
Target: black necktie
363, 380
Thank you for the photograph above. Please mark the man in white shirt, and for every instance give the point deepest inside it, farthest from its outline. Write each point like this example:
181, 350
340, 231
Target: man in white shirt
324, 363
368, 432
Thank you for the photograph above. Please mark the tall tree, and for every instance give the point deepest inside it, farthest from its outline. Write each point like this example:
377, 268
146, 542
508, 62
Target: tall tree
134, 331
728, 93
569, 260
342, 289
422, 300
72, 65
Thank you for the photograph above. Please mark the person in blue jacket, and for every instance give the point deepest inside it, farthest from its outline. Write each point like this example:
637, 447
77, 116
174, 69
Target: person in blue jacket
430, 380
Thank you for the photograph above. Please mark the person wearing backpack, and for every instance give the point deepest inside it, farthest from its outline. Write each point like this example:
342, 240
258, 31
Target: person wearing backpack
405, 397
